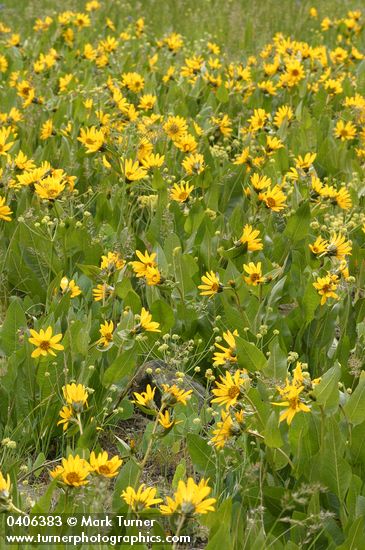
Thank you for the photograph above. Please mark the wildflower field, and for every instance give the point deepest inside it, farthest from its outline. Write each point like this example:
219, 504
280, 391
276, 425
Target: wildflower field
182, 270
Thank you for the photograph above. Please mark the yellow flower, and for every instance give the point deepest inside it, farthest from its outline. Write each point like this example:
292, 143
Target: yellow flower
4, 135
146, 322
258, 119
273, 144
4, 211
75, 395
338, 246
101, 292
49, 188
92, 139
45, 342
304, 163
106, 331
260, 182
326, 287
343, 199
194, 164
181, 193
345, 131
73, 472
70, 286
254, 272
292, 401
141, 499
173, 394
152, 276
250, 238
145, 398
227, 355
146, 260
4, 487
211, 284
153, 161
283, 114
112, 261
103, 465
190, 499
23, 163
46, 130
175, 127
319, 246
243, 157
223, 431
133, 171
274, 199
186, 143
147, 101
166, 421
66, 413
133, 81
230, 388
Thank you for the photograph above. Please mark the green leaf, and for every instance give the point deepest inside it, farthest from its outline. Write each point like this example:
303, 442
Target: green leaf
14, 320
249, 356
179, 474
355, 406
163, 314
276, 366
122, 366
298, 223
272, 431
201, 454
326, 393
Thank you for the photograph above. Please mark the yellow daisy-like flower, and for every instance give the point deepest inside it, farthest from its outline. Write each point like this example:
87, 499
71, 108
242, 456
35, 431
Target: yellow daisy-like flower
181, 193
274, 199
319, 246
5, 212
290, 394
45, 342
152, 276
345, 130
73, 472
254, 274
49, 188
343, 199
145, 398
230, 388
304, 163
46, 130
92, 139
4, 486
223, 432
112, 261
146, 260
211, 284
190, 499
101, 292
133, 171
175, 127
260, 182
105, 466
75, 395
66, 414
227, 355
194, 164
142, 499
165, 420
70, 286
106, 330
146, 322
4, 145
326, 287
173, 394
338, 246
250, 238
